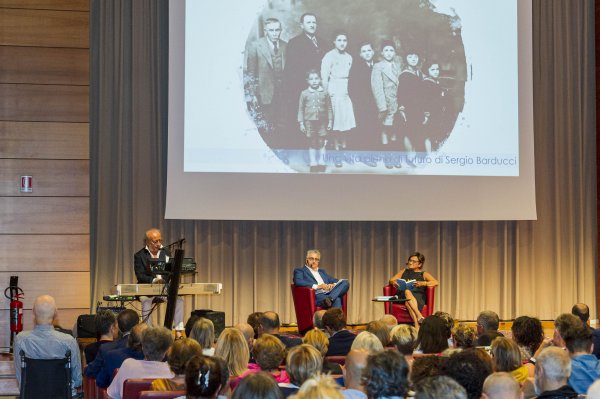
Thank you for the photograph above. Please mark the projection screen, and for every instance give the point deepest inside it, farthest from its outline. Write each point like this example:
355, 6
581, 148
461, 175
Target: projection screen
350, 110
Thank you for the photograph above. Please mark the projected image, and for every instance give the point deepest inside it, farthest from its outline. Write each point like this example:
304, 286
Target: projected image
329, 92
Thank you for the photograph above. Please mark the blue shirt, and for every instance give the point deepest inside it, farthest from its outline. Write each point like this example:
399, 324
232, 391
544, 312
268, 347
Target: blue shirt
585, 369
44, 342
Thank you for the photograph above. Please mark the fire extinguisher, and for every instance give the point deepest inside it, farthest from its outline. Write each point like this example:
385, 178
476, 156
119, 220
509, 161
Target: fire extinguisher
15, 294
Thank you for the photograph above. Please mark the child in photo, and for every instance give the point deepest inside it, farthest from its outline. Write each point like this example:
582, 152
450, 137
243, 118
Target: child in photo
315, 117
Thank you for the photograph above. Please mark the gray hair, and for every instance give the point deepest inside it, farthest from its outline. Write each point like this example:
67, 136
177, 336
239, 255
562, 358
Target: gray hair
555, 363
156, 341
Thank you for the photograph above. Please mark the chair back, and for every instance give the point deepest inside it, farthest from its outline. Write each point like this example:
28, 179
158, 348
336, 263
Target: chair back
133, 387
400, 311
341, 360
45, 378
161, 394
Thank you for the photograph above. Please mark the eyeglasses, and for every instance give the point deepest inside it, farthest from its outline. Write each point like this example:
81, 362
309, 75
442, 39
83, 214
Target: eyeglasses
314, 259
412, 261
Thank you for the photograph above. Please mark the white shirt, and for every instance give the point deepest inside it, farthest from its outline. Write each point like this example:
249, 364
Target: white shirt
317, 277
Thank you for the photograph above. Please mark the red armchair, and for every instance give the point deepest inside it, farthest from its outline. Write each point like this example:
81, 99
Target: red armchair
305, 306
400, 311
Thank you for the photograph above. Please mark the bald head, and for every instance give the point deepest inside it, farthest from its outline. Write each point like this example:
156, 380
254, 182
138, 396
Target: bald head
44, 309
356, 361
501, 386
582, 311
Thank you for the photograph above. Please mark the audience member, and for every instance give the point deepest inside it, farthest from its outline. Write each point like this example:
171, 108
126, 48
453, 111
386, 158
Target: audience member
439, 386
488, 323
180, 353
463, 336
253, 321
562, 323
367, 341
469, 368
107, 330
248, 333
427, 366
356, 362
203, 331
126, 320
552, 371
582, 311
501, 385
257, 386
386, 375
156, 341
340, 339
390, 320
506, 356
268, 323
115, 358
433, 335
585, 367
319, 387
528, 333
318, 319
449, 324
269, 352
404, 338
232, 347
206, 377
302, 362
319, 340
381, 330
44, 342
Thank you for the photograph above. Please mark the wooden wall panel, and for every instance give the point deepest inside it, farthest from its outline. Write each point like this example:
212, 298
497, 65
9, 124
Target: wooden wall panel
70, 289
44, 103
44, 28
50, 177
42, 65
44, 140
44, 215
74, 5
45, 253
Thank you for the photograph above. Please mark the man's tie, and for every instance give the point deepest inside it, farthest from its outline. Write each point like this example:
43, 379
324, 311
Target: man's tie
314, 40
275, 47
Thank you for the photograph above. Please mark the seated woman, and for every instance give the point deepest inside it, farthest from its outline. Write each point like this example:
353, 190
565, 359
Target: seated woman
180, 353
269, 352
203, 331
258, 386
404, 338
206, 377
318, 339
367, 341
302, 362
233, 348
416, 293
431, 338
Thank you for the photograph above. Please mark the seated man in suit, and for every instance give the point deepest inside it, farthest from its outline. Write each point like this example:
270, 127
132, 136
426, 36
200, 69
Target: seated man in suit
340, 339
328, 294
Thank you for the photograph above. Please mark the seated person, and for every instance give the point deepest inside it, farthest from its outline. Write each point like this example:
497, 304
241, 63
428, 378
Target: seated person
115, 358
269, 323
328, 294
153, 250
340, 339
44, 342
180, 353
415, 295
106, 331
206, 377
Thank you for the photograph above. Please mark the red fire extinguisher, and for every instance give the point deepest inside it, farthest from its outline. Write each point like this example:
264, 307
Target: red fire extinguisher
15, 294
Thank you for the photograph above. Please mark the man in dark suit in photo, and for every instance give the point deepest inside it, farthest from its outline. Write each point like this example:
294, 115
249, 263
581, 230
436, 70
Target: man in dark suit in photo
327, 293
266, 61
304, 52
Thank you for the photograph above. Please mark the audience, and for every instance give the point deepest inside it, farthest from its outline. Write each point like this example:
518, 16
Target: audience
107, 330
528, 333
439, 387
318, 319
562, 323
449, 320
340, 339
268, 323
427, 366
302, 362
488, 323
506, 357
585, 367
232, 347
180, 353
319, 387
433, 335
381, 331
552, 371
501, 385
156, 341
356, 362
253, 321
257, 386
206, 377
319, 340
469, 368
248, 333
582, 311
386, 375
404, 338
367, 341
389, 320
115, 358
203, 331
463, 336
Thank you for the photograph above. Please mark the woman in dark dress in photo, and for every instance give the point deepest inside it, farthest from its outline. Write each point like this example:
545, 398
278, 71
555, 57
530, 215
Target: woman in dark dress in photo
411, 116
417, 295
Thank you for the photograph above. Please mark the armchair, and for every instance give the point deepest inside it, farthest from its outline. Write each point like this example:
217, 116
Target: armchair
400, 311
305, 306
